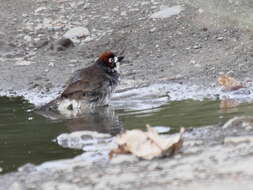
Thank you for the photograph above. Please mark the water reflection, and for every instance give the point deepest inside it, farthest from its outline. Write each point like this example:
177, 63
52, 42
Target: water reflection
102, 119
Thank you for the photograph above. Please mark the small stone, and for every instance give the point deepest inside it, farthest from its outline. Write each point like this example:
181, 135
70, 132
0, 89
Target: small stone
196, 46
152, 29
123, 13
40, 9
71, 65
220, 38
166, 12
73, 61
134, 10
193, 62
197, 65
145, 3
51, 64
77, 33
115, 9
73, 4
28, 38
154, 2
200, 11
23, 63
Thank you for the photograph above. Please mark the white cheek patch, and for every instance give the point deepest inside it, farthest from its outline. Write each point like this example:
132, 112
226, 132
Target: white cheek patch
117, 66
116, 59
117, 63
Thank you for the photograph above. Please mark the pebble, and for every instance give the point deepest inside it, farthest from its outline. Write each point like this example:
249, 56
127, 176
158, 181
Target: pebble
152, 29
77, 33
167, 12
154, 2
197, 65
196, 46
40, 9
51, 64
193, 62
23, 63
115, 9
123, 13
28, 38
200, 11
220, 38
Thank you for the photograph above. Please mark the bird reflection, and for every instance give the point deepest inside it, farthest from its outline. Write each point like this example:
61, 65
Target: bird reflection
102, 119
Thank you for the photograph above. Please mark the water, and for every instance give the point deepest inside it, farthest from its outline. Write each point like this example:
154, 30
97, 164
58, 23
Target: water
28, 137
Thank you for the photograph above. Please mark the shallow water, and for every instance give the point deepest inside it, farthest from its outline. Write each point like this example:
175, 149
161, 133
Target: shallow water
28, 137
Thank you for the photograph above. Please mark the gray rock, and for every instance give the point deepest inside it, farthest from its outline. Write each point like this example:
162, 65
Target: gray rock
167, 12
76, 33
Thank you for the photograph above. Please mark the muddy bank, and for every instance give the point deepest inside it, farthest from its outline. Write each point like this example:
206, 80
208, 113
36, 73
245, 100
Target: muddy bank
183, 45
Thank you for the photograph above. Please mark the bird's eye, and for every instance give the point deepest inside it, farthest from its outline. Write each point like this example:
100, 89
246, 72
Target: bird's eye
110, 60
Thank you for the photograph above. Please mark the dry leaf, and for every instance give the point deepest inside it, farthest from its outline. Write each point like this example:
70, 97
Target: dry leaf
229, 83
147, 145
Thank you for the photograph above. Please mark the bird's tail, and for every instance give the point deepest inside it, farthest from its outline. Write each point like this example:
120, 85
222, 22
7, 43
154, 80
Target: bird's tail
50, 106
49, 110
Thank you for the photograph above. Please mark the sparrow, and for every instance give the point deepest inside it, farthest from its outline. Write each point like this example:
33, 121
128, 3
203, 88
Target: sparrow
89, 87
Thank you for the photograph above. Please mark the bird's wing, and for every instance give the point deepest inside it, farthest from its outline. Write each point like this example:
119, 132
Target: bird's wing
85, 85
82, 88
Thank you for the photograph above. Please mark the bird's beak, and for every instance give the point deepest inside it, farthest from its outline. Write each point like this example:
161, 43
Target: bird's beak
120, 58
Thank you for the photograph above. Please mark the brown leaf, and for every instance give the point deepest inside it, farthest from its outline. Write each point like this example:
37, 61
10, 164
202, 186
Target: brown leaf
147, 145
229, 83
119, 150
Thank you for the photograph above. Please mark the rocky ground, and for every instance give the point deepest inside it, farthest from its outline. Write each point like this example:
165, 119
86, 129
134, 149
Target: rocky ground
164, 41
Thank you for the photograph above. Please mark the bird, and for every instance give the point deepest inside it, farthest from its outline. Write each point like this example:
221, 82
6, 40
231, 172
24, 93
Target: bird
89, 87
